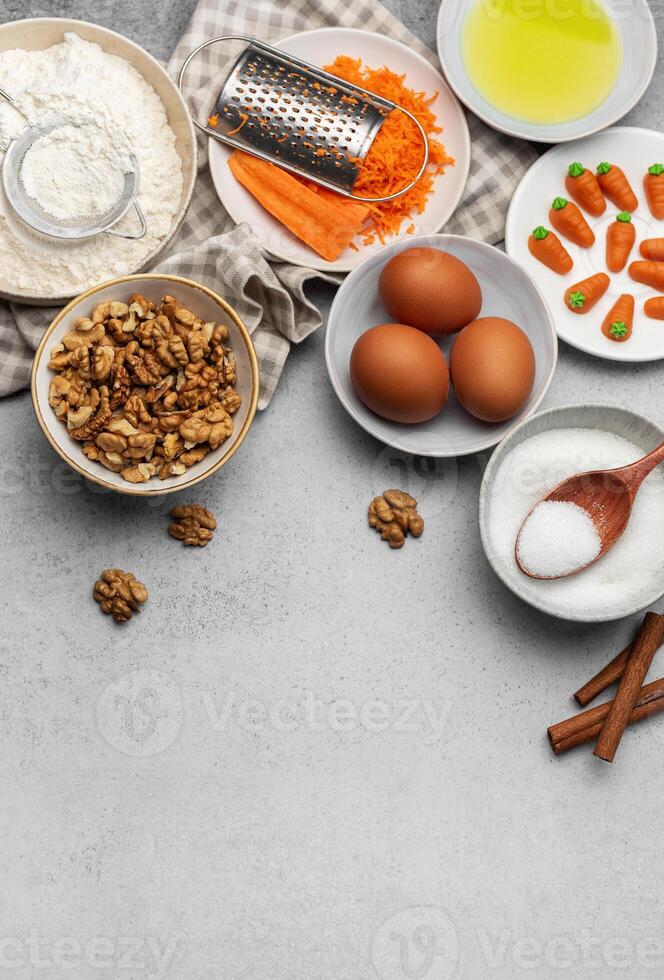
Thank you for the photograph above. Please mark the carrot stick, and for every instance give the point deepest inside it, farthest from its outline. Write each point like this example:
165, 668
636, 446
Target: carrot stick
567, 219
653, 184
649, 273
654, 308
582, 296
614, 184
653, 249
582, 185
619, 320
545, 246
326, 225
620, 238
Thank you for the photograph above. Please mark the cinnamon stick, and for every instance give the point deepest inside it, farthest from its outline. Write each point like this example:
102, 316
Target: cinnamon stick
587, 725
607, 676
650, 637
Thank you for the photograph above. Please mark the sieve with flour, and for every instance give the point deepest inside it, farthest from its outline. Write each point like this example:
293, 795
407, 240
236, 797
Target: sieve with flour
35, 216
299, 117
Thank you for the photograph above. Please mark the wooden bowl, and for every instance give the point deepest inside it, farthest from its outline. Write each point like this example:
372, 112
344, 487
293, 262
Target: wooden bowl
42, 32
204, 303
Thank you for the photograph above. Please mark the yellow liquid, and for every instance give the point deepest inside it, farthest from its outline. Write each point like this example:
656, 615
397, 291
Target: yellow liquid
542, 61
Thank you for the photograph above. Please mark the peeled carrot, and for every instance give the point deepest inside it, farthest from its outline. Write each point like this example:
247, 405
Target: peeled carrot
653, 184
545, 246
582, 185
583, 295
569, 221
654, 308
327, 223
614, 184
619, 321
649, 273
653, 249
620, 238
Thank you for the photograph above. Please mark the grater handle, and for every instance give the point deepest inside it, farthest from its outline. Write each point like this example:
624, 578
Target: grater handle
229, 141
403, 190
190, 57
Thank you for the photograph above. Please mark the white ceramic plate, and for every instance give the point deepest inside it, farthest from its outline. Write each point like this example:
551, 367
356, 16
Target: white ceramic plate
633, 150
507, 291
321, 47
205, 304
637, 30
635, 429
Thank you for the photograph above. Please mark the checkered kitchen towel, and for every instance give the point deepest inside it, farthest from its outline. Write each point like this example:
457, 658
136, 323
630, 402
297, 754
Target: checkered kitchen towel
268, 294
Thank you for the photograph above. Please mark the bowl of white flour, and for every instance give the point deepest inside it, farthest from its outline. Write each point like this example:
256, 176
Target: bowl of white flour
113, 100
542, 452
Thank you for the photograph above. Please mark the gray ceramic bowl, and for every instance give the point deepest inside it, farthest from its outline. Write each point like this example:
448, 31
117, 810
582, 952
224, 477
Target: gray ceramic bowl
631, 426
507, 291
636, 26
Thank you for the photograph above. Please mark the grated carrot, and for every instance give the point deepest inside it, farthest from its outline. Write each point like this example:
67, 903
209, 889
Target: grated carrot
244, 117
396, 153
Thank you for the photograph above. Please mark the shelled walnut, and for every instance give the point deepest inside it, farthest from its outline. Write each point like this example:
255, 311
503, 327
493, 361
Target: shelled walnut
192, 524
147, 389
119, 594
394, 516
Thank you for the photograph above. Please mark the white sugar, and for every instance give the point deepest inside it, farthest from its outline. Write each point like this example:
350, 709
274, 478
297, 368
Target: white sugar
557, 538
537, 465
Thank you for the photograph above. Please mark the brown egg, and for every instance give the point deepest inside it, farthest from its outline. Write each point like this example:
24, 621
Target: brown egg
399, 373
431, 290
492, 367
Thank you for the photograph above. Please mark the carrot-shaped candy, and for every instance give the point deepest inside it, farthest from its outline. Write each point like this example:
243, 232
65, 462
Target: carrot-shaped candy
653, 184
649, 273
619, 321
545, 246
569, 221
620, 238
653, 249
616, 187
654, 308
583, 295
582, 185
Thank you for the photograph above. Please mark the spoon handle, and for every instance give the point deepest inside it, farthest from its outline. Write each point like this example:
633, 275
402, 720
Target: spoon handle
635, 473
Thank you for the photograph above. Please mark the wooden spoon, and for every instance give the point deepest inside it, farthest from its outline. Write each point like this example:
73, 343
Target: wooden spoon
607, 496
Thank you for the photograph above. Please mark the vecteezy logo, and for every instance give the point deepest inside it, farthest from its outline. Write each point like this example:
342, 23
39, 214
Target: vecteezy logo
140, 713
418, 943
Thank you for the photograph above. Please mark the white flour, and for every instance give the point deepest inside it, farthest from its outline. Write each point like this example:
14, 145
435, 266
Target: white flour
72, 172
120, 113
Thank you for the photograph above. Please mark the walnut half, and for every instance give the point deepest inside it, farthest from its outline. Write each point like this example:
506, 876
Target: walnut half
192, 524
394, 515
119, 594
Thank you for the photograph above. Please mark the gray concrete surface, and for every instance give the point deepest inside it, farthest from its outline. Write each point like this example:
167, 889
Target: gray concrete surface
310, 758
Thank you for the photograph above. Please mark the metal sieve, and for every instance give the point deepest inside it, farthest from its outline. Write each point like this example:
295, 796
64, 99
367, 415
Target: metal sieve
36, 217
304, 119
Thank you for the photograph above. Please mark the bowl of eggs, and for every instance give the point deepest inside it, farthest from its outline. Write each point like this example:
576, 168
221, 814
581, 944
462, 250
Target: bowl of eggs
440, 345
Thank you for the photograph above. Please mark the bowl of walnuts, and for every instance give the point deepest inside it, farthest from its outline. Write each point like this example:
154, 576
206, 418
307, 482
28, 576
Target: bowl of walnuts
146, 384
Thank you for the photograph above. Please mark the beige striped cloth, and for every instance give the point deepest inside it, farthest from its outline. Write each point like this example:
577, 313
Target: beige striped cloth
269, 294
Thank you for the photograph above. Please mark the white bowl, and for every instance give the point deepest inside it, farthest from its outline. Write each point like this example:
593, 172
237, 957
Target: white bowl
633, 427
205, 304
508, 291
638, 34
320, 47
42, 32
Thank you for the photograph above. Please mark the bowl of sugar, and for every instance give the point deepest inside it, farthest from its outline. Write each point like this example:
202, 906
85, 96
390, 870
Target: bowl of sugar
538, 454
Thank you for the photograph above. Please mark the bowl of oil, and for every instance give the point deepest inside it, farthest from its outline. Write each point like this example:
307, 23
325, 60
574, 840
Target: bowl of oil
547, 71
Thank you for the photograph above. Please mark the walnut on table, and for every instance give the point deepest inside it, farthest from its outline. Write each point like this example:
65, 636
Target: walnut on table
146, 388
394, 516
119, 594
192, 524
